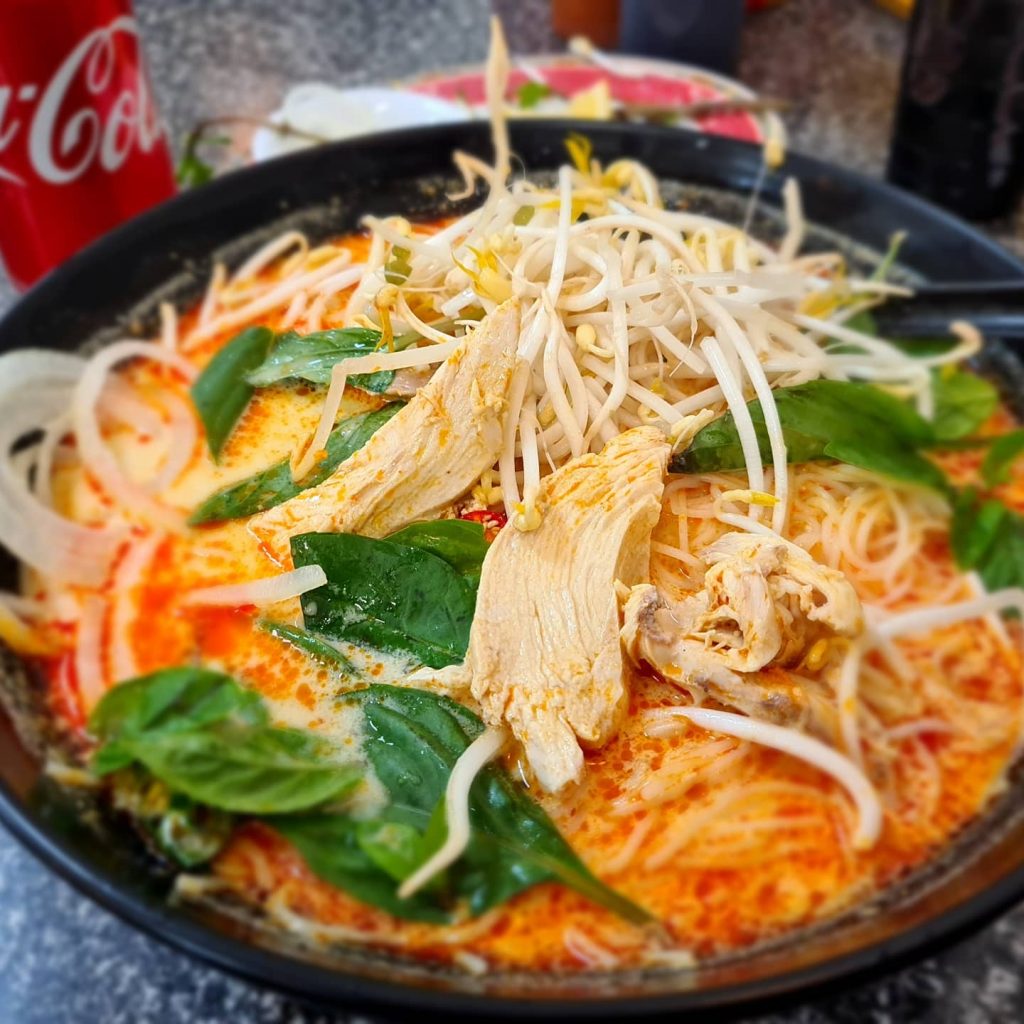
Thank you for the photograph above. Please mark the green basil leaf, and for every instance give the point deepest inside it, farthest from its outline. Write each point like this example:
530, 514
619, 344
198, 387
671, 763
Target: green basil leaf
854, 422
460, 542
975, 528
171, 700
988, 537
318, 649
221, 392
897, 463
207, 738
963, 402
413, 741
396, 848
863, 321
272, 486
247, 770
390, 596
922, 348
312, 357
1003, 563
329, 844
1002, 454
919, 348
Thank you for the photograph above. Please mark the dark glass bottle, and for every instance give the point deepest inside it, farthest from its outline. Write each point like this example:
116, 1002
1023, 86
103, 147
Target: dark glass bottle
958, 132
702, 32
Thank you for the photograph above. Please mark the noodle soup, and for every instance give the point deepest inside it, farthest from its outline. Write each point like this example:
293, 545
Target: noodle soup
576, 584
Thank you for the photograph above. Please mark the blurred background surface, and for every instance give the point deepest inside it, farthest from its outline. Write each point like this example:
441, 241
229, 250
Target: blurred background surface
835, 67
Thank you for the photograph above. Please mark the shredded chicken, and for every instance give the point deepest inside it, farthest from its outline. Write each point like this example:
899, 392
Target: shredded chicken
422, 459
544, 653
765, 602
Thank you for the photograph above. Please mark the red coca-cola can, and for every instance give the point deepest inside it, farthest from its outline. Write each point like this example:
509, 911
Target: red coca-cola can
81, 145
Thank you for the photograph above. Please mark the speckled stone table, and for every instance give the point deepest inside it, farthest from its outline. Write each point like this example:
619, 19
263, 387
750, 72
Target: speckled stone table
65, 961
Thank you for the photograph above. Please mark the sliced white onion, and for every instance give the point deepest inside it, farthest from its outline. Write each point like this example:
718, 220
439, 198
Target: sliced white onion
269, 590
36, 388
45, 454
806, 748
182, 433
120, 403
484, 749
96, 457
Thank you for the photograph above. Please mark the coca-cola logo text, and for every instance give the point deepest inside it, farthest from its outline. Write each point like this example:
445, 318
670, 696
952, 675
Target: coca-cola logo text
64, 136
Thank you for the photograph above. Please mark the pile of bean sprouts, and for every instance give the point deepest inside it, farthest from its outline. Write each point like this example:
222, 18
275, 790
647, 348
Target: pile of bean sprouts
631, 312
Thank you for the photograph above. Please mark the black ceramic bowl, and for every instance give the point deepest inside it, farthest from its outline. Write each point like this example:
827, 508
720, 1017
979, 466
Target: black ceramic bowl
113, 286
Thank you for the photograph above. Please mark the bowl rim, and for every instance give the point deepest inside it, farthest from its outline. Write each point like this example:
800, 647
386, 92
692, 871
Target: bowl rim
328, 986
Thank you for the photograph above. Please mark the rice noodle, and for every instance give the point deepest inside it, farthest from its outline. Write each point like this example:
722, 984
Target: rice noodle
808, 749
681, 833
587, 951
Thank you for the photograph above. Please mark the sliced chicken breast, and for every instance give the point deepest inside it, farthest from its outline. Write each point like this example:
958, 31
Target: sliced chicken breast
422, 459
544, 652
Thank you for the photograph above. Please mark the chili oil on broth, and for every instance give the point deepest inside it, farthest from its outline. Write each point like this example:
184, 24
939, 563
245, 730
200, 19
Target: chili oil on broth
726, 843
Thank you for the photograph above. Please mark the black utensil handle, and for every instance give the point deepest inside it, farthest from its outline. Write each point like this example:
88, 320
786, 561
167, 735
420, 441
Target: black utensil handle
995, 308
934, 324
